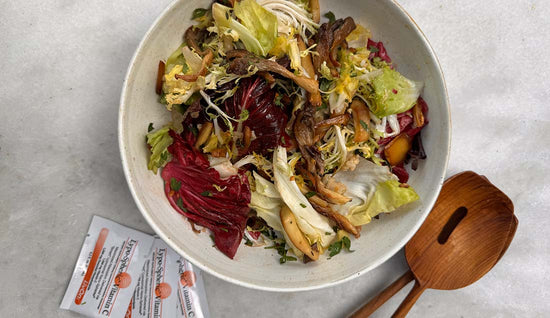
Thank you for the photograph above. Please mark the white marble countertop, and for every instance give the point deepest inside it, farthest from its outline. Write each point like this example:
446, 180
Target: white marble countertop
62, 65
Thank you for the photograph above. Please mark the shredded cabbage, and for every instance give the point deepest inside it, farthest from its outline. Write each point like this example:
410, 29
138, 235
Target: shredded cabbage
291, 14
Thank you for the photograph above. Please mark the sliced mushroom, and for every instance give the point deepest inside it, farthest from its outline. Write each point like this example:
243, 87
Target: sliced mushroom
361, 119
307, 63
192, 37
206, 61
340, 36
315, 10
323, 208
160, 76
323, 126
295, 234
331, 196
418, 115
241, 66
341, 220
204, 133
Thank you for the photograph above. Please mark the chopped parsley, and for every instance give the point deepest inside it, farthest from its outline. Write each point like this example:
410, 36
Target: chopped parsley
175, 184
224, 229
303, 205
282, 251
269, 233
324, 84
364, 124
310, 194
347, 244
198, 13
179, 203
207, 194
373, 49
150, 128
330, 16
336, 247
278, 99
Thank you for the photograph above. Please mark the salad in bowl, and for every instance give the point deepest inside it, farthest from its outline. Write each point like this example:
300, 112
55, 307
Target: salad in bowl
289, 130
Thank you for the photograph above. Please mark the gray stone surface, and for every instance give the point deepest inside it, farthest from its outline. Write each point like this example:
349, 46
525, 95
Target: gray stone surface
61, 68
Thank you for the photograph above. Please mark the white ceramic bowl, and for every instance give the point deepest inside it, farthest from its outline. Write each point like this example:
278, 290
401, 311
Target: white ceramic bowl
257, 267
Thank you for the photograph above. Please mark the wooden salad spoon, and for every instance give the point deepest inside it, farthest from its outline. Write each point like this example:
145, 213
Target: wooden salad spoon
464, 236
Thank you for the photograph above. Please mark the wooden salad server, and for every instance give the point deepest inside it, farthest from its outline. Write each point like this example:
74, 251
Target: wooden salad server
468, 230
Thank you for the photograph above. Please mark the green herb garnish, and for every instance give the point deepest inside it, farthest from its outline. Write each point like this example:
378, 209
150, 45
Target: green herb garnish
347, 244
336, 247
282, 251
303, 205
324, 84
175, 184
310, 194
373, 49
207, 194
198, 13
364, 125
278, 99
150, 128
330, 16
179, 203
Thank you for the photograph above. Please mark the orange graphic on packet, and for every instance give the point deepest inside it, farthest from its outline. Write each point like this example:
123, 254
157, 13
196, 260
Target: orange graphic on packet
95, 256
163, 290
123, 280
188, 278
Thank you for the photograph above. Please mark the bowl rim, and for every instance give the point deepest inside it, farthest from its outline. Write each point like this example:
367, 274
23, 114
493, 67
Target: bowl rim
429, 205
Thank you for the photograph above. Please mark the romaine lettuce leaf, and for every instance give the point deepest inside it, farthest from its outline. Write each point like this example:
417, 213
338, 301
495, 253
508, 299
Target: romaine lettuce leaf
394, 93
374, 190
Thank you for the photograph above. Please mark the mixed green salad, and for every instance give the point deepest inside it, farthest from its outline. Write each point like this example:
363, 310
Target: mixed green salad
289, 130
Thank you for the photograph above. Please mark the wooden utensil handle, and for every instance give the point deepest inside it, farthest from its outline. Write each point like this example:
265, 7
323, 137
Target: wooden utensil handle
409, 301
381, 298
